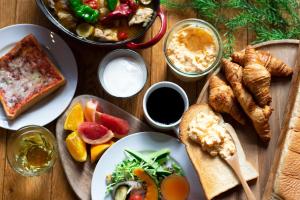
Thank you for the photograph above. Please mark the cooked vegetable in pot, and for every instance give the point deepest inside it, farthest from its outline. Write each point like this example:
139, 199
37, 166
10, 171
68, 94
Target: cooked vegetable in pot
103, 20
84, 11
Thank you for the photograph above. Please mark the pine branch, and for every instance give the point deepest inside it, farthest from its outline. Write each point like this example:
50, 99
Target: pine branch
241, 20
236, 4
228, 44
264, 34
269, 19
207, 8
175, 5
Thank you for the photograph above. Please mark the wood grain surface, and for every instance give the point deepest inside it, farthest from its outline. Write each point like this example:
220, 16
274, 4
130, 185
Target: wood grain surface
54, 185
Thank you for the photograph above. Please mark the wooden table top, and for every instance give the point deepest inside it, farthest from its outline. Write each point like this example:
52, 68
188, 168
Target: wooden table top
54, 185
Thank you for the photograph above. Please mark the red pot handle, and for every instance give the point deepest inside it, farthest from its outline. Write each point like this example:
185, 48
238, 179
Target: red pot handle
157, 38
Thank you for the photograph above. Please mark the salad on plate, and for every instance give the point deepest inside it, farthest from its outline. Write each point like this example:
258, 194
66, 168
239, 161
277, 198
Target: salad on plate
147, 176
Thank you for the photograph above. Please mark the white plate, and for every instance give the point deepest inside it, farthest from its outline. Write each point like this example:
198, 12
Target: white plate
144, 141
52, 106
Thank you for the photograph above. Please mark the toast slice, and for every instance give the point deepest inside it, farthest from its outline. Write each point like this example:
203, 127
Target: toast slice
215, 175
27, 75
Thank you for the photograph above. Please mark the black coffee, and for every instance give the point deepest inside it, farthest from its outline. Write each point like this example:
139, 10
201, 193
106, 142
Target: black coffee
165, 105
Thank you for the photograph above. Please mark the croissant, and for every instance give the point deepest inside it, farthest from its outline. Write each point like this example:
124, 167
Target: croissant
275, 66
222, 99
259, 116
256, 77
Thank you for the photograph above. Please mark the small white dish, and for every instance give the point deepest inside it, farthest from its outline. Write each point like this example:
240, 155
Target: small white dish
122, 73
49, 108
158, 125
143, 141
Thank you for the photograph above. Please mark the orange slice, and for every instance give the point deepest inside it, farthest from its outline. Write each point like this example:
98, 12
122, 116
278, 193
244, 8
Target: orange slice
76, 147
74, 118
98, 150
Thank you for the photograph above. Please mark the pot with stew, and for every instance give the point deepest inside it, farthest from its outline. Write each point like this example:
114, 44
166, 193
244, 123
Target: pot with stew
111, 23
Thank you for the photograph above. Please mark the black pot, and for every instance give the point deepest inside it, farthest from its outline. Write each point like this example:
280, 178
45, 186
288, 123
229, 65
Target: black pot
129, 43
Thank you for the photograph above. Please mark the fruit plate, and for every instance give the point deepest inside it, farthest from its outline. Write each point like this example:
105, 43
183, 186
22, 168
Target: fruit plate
261, 156
49, 108
79, 175
144, 141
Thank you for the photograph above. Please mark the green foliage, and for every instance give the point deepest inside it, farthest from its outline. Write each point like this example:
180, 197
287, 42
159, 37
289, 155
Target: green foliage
228, 43
269, 19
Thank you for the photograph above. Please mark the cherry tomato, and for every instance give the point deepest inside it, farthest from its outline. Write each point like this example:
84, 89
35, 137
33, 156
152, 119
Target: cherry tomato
122, 35
136, 196
92, 3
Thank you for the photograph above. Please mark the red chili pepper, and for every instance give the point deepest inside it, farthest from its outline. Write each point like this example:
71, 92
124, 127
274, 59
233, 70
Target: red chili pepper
122, 35
125, 9
131, 3
92, 3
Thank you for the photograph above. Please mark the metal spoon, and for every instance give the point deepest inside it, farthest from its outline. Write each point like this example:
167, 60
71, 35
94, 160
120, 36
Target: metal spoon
233, 162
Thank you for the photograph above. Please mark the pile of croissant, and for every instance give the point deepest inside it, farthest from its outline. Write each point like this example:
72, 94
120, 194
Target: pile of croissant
249, 77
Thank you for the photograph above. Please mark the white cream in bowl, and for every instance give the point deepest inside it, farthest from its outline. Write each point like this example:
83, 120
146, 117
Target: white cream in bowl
122, 73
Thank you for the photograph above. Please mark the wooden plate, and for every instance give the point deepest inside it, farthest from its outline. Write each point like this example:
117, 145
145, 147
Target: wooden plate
260, 155
78, 174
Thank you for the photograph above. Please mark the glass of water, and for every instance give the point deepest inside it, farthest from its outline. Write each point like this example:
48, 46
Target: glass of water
32, 150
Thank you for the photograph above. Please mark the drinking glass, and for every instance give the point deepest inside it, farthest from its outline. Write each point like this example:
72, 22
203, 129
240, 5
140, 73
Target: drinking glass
32, 150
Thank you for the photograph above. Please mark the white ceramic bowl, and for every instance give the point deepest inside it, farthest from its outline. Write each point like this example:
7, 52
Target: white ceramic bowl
119, 53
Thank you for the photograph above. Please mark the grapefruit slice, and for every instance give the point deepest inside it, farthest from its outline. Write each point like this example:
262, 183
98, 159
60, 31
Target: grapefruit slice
94, 133
90, 109
119, 126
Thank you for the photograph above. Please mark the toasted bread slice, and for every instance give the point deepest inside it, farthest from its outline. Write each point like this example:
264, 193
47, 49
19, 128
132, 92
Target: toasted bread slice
215, 175
27, 75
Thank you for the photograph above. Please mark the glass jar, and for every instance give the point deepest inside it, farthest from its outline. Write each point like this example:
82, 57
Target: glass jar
197, 23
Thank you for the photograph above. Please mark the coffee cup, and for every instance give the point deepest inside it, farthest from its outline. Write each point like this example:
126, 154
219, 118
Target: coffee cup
164, 104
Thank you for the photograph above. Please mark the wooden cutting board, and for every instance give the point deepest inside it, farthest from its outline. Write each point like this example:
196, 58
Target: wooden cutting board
78, 174
287, 136
257, 153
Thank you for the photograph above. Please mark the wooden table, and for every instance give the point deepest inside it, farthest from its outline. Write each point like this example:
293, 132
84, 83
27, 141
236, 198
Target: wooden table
54, 185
